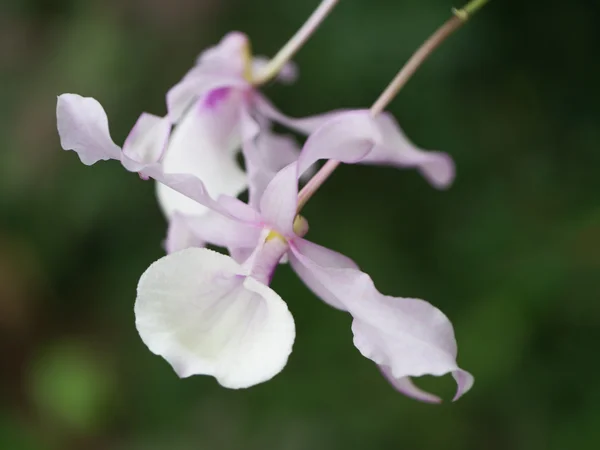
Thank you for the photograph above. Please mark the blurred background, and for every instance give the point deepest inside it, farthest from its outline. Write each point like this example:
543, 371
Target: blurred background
509, 253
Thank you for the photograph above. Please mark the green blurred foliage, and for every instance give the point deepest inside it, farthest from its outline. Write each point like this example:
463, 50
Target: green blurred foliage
510, 252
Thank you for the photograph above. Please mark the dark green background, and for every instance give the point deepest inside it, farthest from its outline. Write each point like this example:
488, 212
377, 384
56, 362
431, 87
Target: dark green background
509, 253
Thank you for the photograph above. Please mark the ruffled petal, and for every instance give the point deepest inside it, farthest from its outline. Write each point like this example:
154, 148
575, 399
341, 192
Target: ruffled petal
409, 336
212, 228
358, 137
146, 142
192, 187
198, 310
323, 257
83, 127
347, 137
407, 387
395, 149
305, 125
204, 144
279, 201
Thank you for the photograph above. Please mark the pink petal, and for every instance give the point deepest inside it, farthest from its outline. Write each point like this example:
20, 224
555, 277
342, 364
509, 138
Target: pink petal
193, 188
212, 228
228, 57
83, 127
407, 387
146, 142
305, 125
395, 149
279, 201
265, 154
218, 67
181, 235
347, 137
409, 336
323, 257
265, 257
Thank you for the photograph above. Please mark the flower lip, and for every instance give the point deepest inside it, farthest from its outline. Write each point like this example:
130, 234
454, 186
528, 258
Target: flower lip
198, 310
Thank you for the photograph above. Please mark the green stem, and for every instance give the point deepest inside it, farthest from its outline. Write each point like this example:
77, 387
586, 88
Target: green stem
469, 9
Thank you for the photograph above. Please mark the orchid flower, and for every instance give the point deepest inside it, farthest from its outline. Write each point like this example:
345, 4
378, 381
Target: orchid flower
208, 313
213, 112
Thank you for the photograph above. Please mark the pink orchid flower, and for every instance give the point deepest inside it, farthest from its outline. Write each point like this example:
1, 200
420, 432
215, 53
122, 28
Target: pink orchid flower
215, 111
208, 314
211, 314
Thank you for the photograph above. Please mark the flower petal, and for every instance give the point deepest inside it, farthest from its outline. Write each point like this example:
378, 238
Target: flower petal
407, 387
204, 145
83, 127
181, 235
306, 125
146, 142
395, 149
265, 155
193, 189
184, 94
280, 199
228, 57
347, 137
196, 309
218, 67
323, 257
212, 228
409, 336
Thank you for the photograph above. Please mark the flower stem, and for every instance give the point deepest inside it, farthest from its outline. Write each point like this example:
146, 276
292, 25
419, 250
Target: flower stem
295, 43
460, 16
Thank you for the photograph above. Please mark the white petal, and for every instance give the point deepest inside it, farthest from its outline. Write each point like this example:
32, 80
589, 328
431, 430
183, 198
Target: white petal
196, 309
83, 127
204, 144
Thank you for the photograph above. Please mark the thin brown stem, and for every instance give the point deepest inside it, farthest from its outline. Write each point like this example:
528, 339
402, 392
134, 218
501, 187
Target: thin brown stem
407, 71
415, 61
